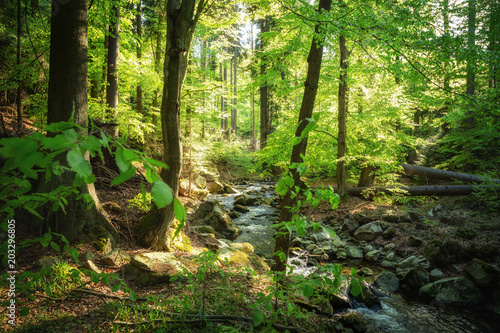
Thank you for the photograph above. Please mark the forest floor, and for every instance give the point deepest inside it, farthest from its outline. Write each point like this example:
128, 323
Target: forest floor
465, 219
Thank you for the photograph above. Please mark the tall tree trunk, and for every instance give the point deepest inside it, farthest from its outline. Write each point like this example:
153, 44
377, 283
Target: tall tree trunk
310, 89
18, 56
112, 77
234, 115
264, 90
138, 19
67, 96
181, 23
157, 67
493, 34
471, 59
342, 109
254, 140
224, 105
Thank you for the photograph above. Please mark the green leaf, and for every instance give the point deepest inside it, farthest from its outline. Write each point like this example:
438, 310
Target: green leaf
48, 291
308, 290
78, 163
32, 211
155, 162
94, 277
116, 287
258, 318
55, 246
355, 288
162, 194
268, 306
123, 176
60, 126
47, 237
132, 296
74, 254
179, 210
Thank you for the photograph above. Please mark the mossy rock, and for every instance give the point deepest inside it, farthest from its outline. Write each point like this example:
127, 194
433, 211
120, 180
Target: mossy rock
102, 239
180, 243
239, 258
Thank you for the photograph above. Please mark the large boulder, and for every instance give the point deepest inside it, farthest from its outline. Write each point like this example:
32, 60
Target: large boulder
368, 232
387, 281
482, 273
354, 321
445, 253
116, 257
154, 268
235, 257
416, 278
458, 290
211, 213
216, 187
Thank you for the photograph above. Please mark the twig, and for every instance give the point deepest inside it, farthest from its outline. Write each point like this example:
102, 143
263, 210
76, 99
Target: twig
99, 294
204, 318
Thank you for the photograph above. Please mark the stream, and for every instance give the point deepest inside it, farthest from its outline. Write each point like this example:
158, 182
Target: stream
396, 314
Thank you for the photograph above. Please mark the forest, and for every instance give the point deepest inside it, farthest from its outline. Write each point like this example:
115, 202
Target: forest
250, 166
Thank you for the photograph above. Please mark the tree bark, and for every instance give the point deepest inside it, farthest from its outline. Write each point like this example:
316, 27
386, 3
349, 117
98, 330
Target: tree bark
444, 175
112, 77
18, 56
157, 68
138, 19
471, 59
310, 89
181, 23
67, 96
264, 89
342, 110
439, 190
234, 113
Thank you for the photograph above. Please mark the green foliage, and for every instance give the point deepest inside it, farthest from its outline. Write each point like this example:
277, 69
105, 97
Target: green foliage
142, 202
230, 158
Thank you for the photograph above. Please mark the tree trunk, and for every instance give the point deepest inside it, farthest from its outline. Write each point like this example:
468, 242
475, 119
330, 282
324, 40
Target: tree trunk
157, 68
443, 174
181, 23
471, 59
234, 116
439, 190
138, 19
342, 109
112, 77
310, 89
67, 96
18, 56
254, 140
264, 90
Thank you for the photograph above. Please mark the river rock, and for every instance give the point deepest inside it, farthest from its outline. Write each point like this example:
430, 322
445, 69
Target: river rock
372, 256
452, 290
390, 256
216, 187
211, 213
387, 264
389, 233
353, 252
228, 189
363, 219
386, 281
204, 229
239, 258
389, 246
102, 239
414, 241
115, 257
368, 232
354, 321
396, 217
365, 271
241, 209
88, 264
154, 268
245, 247
416, 278
350, 225
436, 274
200, 182
367, 297
445, 253
482, 274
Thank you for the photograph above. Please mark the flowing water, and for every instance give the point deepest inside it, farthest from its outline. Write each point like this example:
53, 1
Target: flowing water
396, 314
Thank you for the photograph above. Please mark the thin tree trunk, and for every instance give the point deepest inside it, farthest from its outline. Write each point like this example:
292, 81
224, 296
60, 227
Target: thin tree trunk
139, 55
157, 69
112, 77
310, 89
254, 140
342, 109
234, 116
18, 56
417, 170
264, 89
471, 62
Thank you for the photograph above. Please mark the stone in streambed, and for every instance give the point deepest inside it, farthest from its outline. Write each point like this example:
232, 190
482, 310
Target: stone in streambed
368, 232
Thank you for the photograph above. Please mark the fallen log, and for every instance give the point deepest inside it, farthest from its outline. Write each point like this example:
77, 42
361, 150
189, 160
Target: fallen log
415, 170
439, 190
